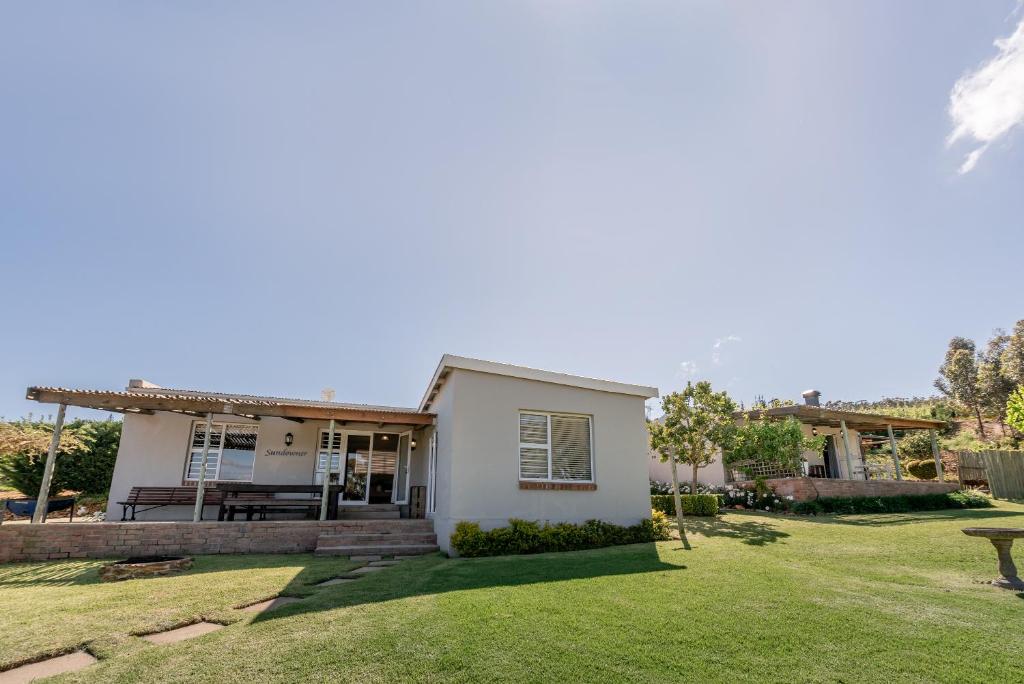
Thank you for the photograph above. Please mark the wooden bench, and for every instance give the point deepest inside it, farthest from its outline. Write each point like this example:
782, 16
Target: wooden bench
157, 497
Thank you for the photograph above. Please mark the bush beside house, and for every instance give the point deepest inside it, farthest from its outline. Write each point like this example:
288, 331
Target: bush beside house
524, 536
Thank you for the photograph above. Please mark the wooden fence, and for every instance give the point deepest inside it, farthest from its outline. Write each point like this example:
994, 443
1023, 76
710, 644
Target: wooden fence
1003, 470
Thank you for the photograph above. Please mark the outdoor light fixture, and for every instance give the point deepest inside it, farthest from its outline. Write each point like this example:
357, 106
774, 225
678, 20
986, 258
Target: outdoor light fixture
288, 439
412, 443
814, 431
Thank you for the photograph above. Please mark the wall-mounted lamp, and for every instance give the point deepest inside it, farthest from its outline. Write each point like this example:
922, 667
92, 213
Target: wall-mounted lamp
814, 431
412, 443
288, 439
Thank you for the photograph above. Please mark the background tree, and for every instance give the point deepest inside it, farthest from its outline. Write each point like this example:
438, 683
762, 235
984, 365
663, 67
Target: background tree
1013, 356
23, 448
994, 385
1015, 409
959, 377
698, 422
779, 442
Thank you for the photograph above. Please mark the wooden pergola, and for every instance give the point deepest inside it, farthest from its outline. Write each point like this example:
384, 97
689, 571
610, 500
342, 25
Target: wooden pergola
817, 416
148, 401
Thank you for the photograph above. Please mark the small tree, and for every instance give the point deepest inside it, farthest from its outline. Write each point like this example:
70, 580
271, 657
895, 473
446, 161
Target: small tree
1013, 355
959, 378
698, 422
1015, 410
994, 386
779, 442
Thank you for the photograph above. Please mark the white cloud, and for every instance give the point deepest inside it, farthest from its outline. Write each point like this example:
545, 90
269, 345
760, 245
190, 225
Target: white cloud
989, 101
716, 348
688, 369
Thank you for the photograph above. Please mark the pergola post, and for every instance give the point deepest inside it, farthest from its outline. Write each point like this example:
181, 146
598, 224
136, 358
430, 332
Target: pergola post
939, 475
846, 448
895, 453
197, 513
39, 514
325, 494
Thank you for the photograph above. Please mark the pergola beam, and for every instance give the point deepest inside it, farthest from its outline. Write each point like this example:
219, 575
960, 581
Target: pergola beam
43, 500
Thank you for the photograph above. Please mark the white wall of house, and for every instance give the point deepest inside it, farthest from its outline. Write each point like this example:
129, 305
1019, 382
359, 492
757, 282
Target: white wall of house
478, 457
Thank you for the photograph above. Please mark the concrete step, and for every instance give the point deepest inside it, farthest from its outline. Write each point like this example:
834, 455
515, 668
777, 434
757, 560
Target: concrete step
371, 538
403, 525
368, 507
379, 550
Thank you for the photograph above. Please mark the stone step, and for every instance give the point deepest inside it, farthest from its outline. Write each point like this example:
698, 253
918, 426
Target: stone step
368, 507
368, 515
402, 525
371, 538
380, 550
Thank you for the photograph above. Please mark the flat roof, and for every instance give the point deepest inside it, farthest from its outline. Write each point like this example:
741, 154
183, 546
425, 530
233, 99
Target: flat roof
151, 399
816, 415
450, 362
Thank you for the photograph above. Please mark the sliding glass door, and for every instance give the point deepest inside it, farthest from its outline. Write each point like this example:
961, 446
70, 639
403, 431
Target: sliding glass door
376, 466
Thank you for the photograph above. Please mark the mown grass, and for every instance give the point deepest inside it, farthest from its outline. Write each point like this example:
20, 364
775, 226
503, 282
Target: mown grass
760, 598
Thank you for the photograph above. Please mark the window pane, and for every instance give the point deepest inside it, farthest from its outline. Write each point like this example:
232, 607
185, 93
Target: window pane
321, 459
239, 453
570, 448
196, 458
337, 439
533, 428
533, 463
199, 433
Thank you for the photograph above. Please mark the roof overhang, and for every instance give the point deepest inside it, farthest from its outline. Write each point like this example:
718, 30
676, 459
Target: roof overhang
151, 401
450, 362
823, 417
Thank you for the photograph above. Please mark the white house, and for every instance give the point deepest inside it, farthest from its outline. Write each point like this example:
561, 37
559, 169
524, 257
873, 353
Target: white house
487, 442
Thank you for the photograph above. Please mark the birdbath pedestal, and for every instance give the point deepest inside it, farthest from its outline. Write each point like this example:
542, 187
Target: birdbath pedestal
1002, 538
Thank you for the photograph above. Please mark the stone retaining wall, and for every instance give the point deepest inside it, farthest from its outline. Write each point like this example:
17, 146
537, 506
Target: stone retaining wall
52, 541
810, 488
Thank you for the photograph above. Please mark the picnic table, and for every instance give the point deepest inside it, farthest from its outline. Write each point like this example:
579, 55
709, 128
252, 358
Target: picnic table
260, 499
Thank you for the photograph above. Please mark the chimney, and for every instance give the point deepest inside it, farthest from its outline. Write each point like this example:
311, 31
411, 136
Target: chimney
139, 383
811, 397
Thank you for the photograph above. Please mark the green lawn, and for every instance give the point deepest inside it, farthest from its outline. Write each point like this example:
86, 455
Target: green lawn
760, 598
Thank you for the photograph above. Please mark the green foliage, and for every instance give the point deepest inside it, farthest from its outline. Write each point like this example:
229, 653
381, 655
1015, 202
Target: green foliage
693, 504
922, 469
994, 387
781, 442
697, 423
914, 445
893, 504
523, 536
1015, 409
958, 377
85, 459
1012, 361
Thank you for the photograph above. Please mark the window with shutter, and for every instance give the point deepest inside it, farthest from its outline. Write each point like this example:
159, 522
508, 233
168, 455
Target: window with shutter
231, 455
555, 447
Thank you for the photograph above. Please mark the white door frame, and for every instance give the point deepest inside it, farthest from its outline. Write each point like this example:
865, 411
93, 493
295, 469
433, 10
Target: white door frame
431, 475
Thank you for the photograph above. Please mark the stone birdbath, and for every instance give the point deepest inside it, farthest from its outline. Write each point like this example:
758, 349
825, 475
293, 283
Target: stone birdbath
1002, 538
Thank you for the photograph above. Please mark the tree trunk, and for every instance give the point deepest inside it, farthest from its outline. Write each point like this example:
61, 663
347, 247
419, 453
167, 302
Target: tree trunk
679, 505
981, 425
693, 485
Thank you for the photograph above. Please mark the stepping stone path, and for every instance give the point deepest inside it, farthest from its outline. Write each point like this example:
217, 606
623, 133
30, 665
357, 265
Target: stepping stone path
270, 604
47, 668
383, 563
337, 580
182, 633
364, 558
366, 569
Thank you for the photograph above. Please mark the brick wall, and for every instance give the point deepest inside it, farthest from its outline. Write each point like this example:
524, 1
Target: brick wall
110, 540
809, 488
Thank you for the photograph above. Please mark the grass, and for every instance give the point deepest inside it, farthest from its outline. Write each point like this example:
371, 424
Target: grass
760, 598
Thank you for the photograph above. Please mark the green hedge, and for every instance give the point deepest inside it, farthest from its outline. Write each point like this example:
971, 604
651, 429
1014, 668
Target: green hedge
893, 504
523, 536
693, 504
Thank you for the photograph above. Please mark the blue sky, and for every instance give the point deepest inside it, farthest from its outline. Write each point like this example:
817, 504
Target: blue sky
278, 197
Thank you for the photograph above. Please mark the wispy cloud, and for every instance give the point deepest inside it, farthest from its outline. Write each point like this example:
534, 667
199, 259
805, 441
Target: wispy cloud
688, 369
716, 348
989, 101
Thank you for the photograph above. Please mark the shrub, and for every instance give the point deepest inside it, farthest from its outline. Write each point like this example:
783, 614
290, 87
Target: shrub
893, 504
923, 469
524, 536
85, 461
693, 504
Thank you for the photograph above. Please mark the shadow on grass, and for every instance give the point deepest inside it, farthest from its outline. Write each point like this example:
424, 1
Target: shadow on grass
752, 532
432, 575
890, 519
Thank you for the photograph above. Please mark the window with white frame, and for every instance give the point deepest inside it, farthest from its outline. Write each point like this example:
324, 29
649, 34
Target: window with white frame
231, 455
555, 446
